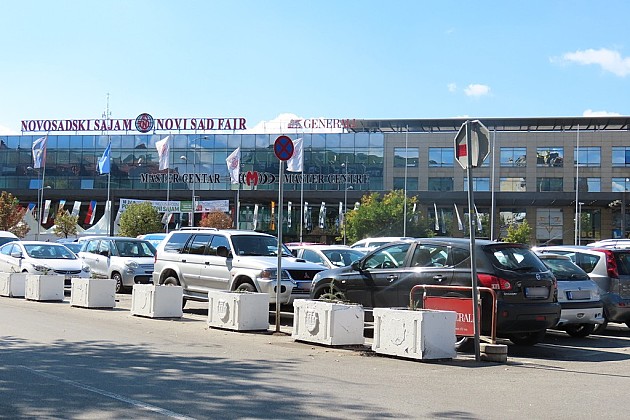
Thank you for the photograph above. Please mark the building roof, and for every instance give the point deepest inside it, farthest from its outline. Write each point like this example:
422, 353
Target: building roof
498, 124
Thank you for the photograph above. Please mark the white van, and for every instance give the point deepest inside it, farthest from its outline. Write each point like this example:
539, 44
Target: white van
6, 236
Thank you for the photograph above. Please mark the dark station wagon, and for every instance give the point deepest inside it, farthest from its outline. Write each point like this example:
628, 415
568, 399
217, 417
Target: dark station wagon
525, 288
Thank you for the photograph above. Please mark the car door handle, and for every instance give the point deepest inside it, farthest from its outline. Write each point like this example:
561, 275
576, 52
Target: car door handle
438, 278
184, 260
392, 277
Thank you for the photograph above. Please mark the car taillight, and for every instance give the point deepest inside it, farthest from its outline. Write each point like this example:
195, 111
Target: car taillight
611, 263
494, 282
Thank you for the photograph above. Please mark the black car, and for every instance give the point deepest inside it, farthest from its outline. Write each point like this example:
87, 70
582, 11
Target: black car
525, 288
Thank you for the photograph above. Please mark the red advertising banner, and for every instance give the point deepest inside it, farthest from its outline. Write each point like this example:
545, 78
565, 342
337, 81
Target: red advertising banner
464, 324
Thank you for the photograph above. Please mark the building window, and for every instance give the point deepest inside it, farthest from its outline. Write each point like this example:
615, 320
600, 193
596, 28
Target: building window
441, 157
549, 184
408, 155
588, 156
513, 156
479, 184
441, 184
412, 183
550, 156
620, 184
512, 184
621, 156
549, 224
589, 184
509, 217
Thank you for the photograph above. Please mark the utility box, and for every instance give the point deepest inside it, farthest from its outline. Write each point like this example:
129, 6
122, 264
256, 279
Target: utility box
422, 334
157, 301
44, 287
240, 311
12, 284
93, 293
330, 323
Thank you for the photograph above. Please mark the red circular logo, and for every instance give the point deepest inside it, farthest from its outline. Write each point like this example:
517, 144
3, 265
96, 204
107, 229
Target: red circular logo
144, 123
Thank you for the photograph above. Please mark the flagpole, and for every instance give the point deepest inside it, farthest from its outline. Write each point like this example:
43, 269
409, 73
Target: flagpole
168, 187
405, 203
41, 202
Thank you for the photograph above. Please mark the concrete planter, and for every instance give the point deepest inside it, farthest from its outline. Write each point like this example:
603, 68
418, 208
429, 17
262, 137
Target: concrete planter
93, 293
330, 323
238, 311
423, 334
12, 284
44, 287
157, 301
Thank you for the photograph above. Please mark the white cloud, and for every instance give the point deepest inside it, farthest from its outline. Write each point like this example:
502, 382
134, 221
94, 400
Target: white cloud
452, 87
6, 131
608, 60
476, 89
591, 113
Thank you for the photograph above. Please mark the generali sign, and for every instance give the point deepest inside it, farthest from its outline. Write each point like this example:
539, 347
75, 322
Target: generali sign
143, 123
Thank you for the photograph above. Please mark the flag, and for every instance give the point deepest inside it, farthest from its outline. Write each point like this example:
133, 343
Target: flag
39, 152
76, 207
163, 149
31, 207
91, 213
443, 225
479, 226
289, 204
167, 218
234, 165
322, 216
296, 162
437, 220
304, 214
62, 204
255, 216
103, 162
341, 215
46, 211
460, 225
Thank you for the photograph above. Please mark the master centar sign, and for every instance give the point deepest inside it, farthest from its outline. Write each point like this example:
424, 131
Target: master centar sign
144, 123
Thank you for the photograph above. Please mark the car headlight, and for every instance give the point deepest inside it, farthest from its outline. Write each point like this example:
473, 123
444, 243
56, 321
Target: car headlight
271, 274
85, 268
596, 294
131, 264
41, 268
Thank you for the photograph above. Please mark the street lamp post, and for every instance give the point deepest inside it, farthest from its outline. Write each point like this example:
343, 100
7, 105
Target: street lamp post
345, 199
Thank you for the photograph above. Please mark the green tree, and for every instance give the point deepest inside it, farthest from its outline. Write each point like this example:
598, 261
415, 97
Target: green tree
378, 216
216, 219
65, 224
140, 219
11, 214
519, 233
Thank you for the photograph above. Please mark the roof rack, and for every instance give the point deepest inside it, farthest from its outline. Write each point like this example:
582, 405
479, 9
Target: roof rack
197, 228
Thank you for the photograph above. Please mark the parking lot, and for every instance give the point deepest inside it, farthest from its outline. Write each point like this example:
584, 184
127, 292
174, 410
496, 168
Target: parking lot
60, 361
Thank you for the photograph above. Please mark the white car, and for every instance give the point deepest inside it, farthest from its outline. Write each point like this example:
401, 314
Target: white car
370, 244
6, 236
38, 257
330, 256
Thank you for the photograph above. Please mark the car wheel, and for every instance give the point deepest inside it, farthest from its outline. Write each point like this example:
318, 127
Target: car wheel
172, 281
579, 330
464, 344
600, 328
331, 293
246, 287
119, 283
527, 339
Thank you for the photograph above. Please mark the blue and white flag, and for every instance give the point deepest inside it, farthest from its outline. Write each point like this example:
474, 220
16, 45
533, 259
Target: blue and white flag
39, 152
164, 150
103, 162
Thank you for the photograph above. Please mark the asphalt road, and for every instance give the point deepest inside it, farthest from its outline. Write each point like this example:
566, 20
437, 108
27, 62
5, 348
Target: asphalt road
58, 361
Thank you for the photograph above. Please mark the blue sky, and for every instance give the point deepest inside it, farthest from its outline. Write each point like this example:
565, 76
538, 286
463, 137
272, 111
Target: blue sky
330, 59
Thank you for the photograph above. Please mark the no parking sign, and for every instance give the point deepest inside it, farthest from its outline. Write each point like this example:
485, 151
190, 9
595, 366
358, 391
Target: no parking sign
283, 148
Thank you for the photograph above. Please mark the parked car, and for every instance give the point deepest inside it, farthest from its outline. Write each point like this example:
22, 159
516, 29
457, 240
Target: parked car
578, 295
154, 238
369, 244
73, 246
38, 257
126, 260
200, 259
330, 256
614, 243
610, 269
6, 236
525, 287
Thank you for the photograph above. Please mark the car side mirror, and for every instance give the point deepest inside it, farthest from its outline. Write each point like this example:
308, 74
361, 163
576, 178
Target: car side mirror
356, 265
105, 253
223, 251
16, 254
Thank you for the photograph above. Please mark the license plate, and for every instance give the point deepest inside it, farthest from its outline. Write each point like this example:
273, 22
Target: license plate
578, 294
304, 285
537, 292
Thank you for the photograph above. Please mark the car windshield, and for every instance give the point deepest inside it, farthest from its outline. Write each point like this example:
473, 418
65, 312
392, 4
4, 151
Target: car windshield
516, 259
134, 249
257, 245
49, 252
564, 269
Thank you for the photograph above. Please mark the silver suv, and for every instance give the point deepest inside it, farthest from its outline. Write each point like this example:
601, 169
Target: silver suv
200, 259
610, 269
126, 260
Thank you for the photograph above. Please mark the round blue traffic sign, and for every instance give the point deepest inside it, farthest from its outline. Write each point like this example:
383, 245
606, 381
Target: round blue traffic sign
283, 148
